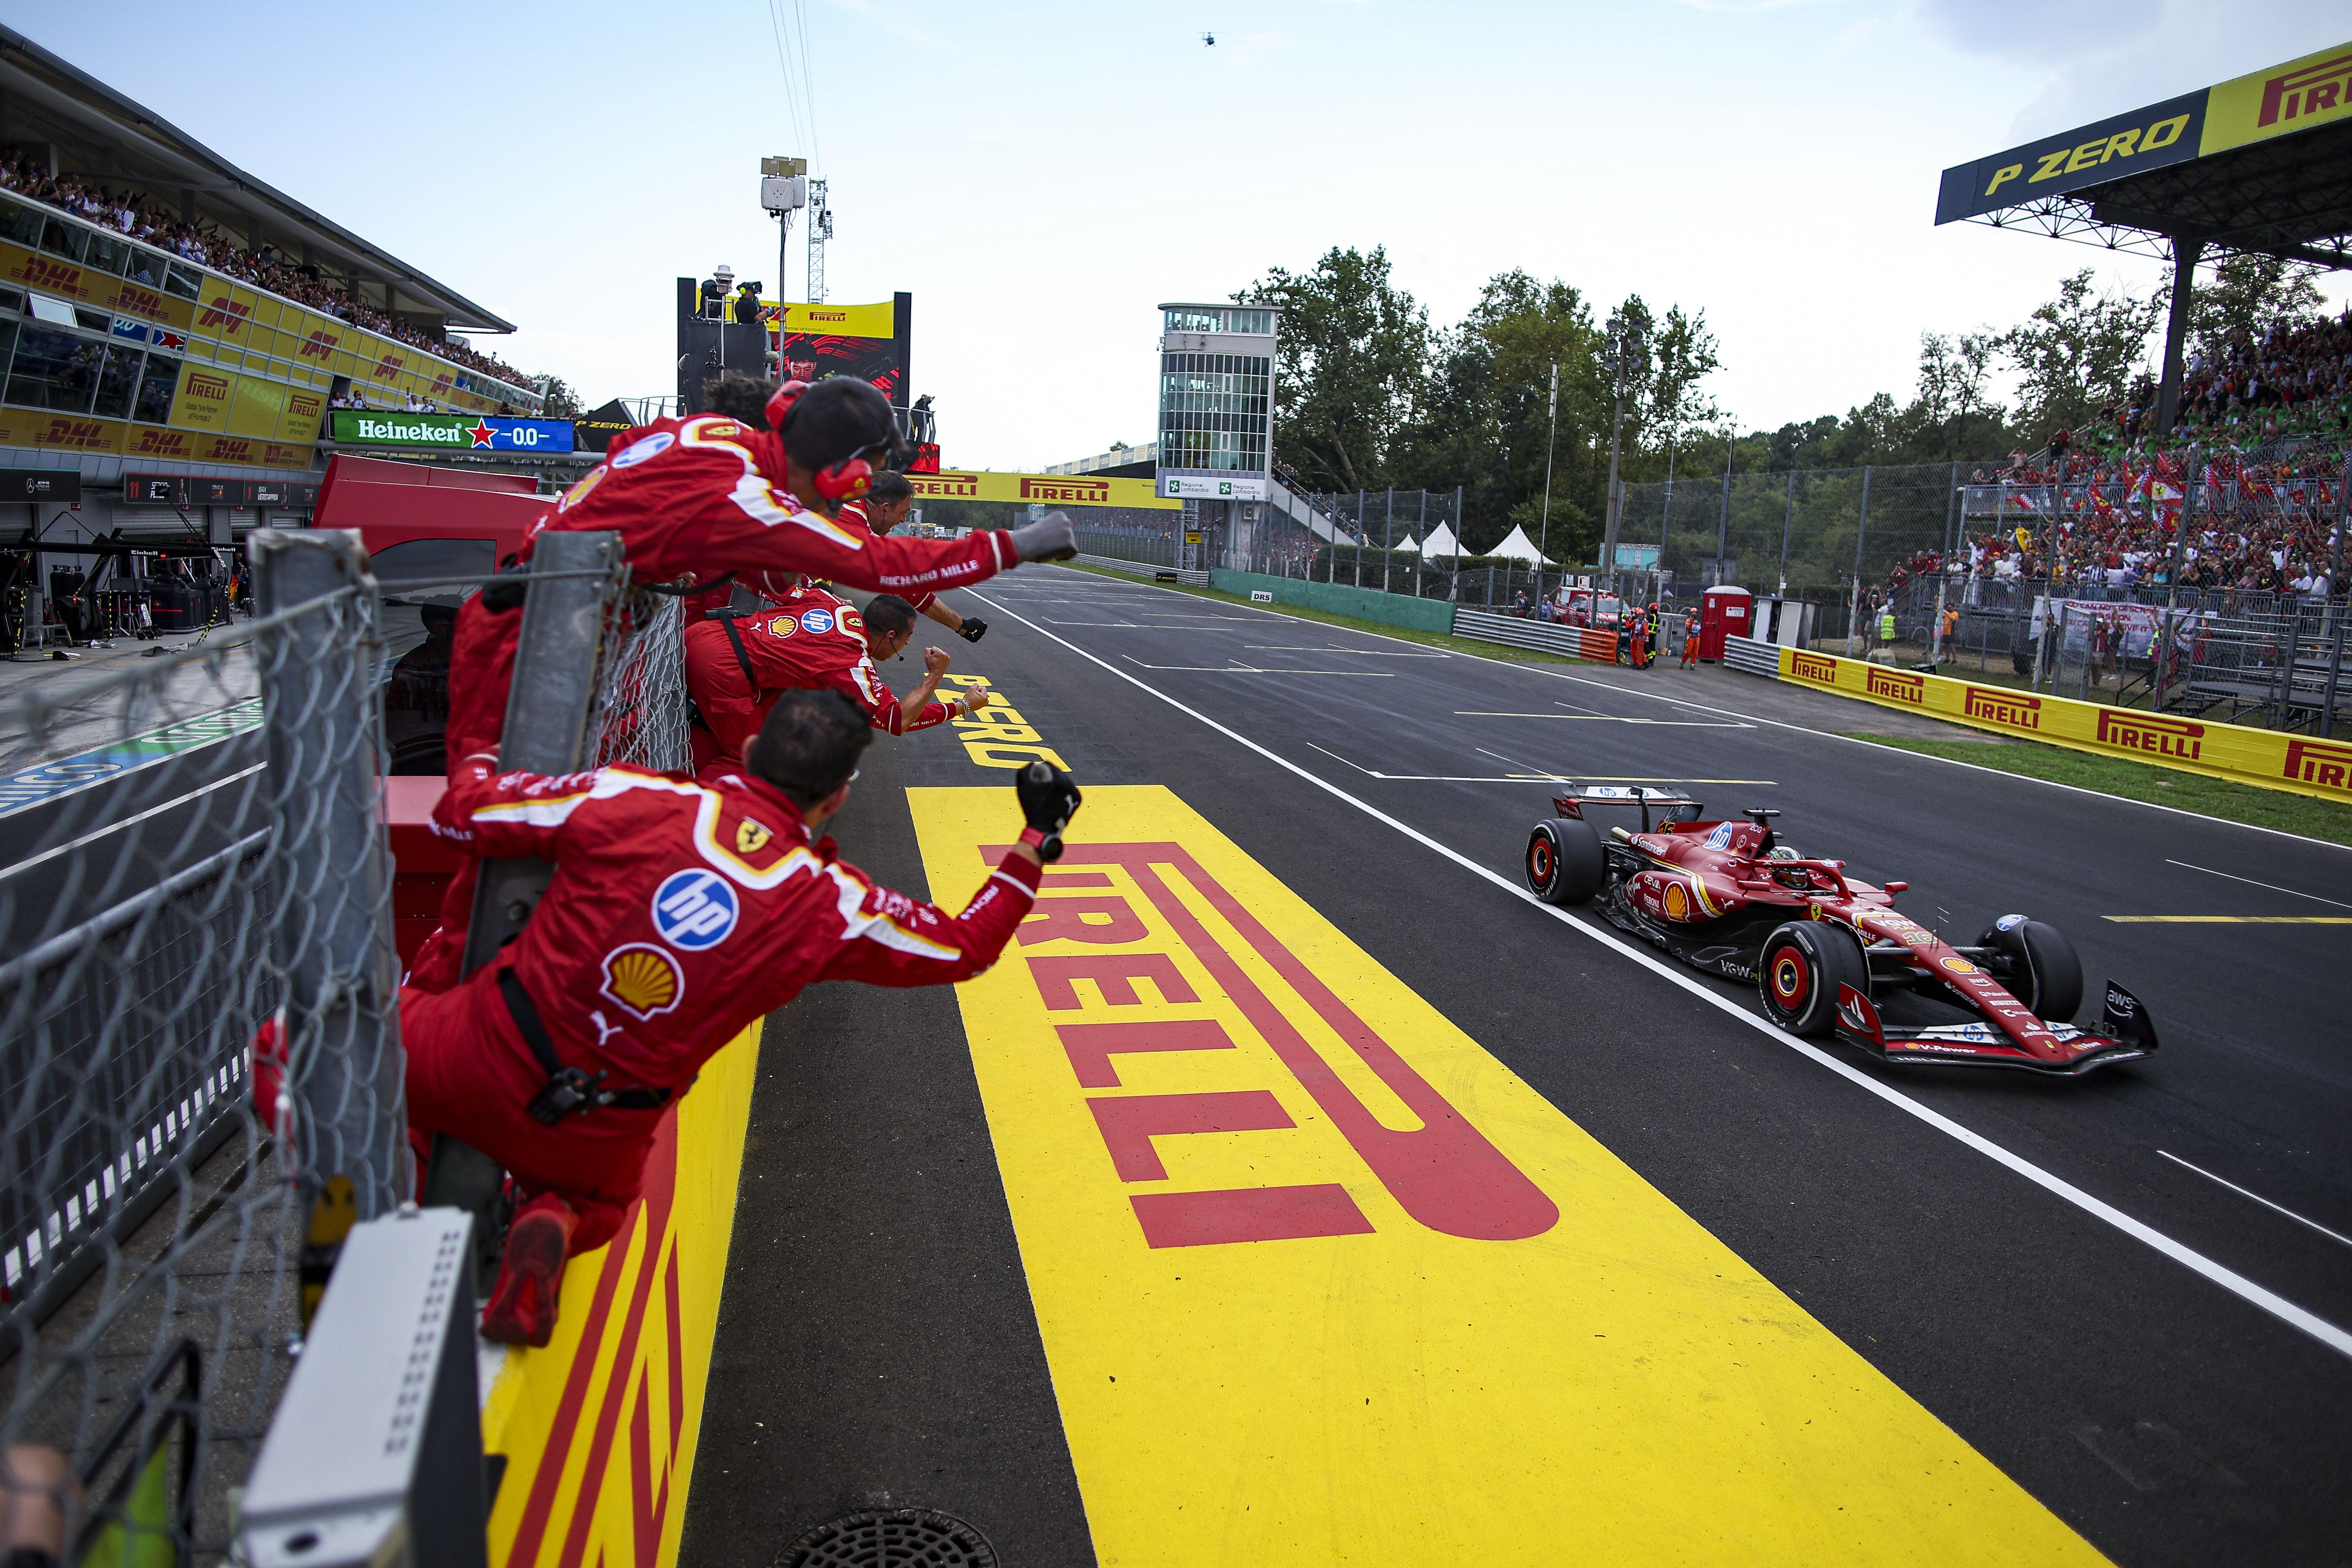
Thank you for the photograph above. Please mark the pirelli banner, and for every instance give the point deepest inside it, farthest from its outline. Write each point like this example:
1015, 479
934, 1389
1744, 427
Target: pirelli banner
1045, 489
2234, 751
2300, 95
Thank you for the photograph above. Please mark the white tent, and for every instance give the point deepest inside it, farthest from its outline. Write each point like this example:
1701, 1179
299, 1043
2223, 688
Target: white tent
1407, 547
1519, 547
1440, 542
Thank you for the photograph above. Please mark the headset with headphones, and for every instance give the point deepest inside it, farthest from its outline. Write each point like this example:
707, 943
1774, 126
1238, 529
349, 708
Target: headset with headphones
845, 480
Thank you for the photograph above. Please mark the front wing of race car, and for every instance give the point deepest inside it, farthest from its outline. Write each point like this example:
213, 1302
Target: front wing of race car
2123, 1034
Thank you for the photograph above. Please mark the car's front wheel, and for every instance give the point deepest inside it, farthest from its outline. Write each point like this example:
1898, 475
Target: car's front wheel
2041, 971
1804, 962
1564, 862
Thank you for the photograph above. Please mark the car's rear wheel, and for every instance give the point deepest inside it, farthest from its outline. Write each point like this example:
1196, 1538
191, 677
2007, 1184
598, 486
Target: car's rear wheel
1564, 864
1803, 965
2041, 971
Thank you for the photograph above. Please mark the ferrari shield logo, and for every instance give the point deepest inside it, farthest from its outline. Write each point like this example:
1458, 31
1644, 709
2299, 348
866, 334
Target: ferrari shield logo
750, 838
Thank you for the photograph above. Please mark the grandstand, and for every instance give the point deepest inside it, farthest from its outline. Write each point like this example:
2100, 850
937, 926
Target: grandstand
164, 314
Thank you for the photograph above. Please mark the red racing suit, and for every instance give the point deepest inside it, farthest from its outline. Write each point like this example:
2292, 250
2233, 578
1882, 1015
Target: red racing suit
704, 495
813, 640
680, 913
854, 514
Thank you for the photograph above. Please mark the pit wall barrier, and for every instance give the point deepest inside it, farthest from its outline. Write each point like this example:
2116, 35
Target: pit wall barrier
599, 1430
1543, 637
1339, 599
2266, 758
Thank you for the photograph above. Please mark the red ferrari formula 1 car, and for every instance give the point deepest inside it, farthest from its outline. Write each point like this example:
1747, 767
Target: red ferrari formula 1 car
1826, 951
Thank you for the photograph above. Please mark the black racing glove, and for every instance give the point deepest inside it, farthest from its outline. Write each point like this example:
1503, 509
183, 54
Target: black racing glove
971, 630
1048, 539
1048, 800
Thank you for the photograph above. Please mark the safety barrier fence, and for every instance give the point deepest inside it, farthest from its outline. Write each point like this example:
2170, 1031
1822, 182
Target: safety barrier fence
2302, 764
194, 855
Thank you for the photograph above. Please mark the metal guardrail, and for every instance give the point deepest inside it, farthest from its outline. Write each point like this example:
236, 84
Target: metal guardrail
1511, 631
1750, 656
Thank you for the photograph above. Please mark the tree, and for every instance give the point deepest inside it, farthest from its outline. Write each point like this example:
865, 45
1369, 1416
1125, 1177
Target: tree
560, 402
1353, 354
2246, 294
2075, 353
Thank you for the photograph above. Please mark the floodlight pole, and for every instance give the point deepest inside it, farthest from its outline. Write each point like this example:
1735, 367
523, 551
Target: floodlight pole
1616, 504
1543, 536
2185, 252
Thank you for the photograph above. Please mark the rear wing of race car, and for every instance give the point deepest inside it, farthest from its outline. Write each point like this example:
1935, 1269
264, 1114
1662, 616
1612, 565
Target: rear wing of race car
1671, 805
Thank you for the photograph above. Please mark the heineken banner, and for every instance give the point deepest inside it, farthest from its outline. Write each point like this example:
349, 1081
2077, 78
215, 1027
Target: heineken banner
450, 432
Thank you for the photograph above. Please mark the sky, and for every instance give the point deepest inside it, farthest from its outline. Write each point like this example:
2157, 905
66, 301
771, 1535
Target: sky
1041, 177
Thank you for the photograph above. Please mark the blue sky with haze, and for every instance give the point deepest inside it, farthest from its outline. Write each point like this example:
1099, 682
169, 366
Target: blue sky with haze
1040, 176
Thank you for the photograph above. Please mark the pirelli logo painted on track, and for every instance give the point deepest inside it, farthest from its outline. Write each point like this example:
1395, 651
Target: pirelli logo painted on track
2266, 758
1316, 1274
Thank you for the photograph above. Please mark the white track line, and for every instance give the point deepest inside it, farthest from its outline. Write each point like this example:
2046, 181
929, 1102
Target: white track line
91, 838
2279, 1307
1822, 734
2273, 886
2258, 1197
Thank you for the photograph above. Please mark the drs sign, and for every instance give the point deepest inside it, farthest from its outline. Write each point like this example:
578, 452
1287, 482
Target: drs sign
450, 432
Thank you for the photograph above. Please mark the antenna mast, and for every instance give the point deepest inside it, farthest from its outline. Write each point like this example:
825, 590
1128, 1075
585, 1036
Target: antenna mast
819, 230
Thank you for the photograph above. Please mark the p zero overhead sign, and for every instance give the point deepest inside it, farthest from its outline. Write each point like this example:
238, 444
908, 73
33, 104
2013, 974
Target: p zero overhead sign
2300, 95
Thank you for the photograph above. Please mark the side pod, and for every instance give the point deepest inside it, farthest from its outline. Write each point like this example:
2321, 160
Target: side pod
2125, 1019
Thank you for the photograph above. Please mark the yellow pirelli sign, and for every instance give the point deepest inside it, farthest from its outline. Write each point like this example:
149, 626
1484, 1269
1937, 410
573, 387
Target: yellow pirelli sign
1047, 489
1320, 1281
2234, 751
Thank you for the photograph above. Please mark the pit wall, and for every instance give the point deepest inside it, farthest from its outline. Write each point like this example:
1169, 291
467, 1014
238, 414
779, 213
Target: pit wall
2266, 758
1339, 599
599, 1429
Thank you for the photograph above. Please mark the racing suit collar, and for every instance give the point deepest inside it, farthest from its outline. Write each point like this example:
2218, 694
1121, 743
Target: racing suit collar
772, 799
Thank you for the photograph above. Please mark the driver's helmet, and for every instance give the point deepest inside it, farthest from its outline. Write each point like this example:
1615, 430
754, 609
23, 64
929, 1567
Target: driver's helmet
1782, 852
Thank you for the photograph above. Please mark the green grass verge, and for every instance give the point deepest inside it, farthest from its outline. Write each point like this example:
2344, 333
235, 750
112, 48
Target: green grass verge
1465, 646
2302, 814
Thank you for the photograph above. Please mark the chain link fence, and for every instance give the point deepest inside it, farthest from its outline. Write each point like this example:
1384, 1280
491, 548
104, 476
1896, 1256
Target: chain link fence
192, 851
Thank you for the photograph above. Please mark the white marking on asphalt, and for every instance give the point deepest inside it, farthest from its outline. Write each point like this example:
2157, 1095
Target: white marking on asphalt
1832, 735
1522, 778
2273, 886
91, 838
2286, 1311
1607, 719
1251, 668
2258, 1197
1363, 652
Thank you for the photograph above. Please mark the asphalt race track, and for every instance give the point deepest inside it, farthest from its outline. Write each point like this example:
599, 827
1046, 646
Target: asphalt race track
2130, 1293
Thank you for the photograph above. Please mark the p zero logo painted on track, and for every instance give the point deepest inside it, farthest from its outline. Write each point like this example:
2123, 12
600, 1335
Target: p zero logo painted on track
1319, 1280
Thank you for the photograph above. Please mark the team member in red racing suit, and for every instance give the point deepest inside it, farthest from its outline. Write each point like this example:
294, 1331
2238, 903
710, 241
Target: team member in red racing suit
884, 507
736, 666
704, 497
679, 914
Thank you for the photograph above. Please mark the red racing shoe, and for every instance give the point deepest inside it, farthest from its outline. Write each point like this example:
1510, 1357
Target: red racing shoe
521, 1310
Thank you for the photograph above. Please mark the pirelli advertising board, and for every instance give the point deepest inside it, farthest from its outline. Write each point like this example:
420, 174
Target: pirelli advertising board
2300, 95
1047, 489
2263, 757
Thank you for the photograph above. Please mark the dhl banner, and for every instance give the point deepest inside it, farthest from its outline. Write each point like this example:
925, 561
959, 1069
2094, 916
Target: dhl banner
600, 1429
115, 438
88, 286
1048, 490
2234, 751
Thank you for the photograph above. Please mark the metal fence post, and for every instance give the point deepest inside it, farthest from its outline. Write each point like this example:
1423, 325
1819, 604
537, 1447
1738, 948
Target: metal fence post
1388, 539
1421, 546
549, 708
332, 934
1788, 521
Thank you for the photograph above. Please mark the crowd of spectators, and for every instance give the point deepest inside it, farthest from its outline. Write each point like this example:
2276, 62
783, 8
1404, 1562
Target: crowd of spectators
2293, 379
265, 267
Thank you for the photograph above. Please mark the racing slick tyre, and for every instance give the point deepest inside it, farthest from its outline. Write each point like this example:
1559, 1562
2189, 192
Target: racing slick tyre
1564, 863
1803, 965
2043, 973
